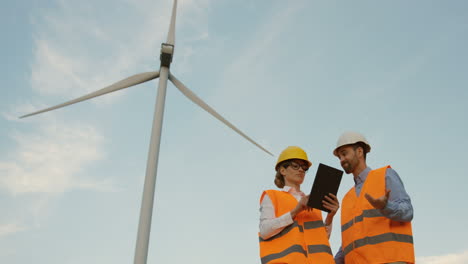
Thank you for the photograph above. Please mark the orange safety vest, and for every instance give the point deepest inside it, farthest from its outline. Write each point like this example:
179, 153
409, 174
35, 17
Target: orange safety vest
304, 241
367, 235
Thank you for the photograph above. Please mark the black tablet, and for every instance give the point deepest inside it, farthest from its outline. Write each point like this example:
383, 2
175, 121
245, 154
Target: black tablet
327, 180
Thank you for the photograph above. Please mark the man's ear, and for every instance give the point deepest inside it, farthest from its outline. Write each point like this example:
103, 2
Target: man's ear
360, 152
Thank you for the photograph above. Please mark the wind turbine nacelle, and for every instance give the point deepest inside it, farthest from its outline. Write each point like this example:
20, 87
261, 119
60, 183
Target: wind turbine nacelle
167, 51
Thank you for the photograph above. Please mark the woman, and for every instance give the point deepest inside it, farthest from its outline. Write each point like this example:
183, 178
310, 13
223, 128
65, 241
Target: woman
290, 231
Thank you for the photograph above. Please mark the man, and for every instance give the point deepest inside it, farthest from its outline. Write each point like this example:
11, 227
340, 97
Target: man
376, 213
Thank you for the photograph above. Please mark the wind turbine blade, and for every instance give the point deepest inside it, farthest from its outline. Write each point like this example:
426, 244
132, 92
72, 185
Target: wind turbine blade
171, 34
130, 81
194, 98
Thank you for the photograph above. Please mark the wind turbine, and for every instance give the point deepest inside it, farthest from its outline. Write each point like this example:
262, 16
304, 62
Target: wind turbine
167, 51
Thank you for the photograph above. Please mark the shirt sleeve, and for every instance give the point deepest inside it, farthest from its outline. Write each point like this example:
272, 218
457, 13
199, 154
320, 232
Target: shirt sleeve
271, 225
399, 207
339, 257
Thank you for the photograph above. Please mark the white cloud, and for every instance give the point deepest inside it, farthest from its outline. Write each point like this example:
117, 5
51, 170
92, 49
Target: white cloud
455, 258
76, 53
54, 72
265, 36
50, 158
8, 229
16, 111
247, 75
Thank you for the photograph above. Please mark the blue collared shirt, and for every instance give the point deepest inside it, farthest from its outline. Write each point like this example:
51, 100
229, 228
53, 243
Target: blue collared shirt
398, 206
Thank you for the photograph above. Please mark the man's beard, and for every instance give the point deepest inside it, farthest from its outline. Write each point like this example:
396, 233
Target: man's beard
348, 168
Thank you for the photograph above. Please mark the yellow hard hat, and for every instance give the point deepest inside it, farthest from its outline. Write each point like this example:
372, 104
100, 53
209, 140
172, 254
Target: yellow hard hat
351, 137
292, 152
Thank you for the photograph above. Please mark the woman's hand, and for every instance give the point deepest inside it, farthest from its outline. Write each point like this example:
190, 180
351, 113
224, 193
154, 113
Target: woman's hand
331, 203
301, 206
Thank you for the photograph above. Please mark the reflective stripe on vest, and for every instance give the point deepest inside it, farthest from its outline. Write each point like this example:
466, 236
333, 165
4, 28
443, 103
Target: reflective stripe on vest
319, 249
314, 224
387, 237
304, 241
367, 235
307, 225
292, 249
367, 213
284, 231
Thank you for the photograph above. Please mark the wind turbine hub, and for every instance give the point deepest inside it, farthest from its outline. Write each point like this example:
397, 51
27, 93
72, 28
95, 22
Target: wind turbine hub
167, 51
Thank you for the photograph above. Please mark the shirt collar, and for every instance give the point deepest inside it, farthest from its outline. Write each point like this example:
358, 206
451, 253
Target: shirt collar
290, 190
362, 176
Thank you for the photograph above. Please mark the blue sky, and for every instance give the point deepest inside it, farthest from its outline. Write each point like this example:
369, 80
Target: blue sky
286, 73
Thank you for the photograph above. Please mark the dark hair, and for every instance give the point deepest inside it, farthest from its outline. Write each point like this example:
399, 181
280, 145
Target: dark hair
279, 178
364, 146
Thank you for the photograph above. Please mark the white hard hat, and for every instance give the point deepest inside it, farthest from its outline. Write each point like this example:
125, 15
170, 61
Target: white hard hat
351, 137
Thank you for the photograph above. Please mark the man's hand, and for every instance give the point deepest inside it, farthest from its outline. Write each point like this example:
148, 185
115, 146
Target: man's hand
380, 202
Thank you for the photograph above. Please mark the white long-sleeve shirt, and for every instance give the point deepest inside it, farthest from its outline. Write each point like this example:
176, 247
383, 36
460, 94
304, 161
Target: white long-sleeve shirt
271, 225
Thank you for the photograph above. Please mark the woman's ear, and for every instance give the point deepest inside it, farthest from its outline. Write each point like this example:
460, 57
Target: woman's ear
282, 170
